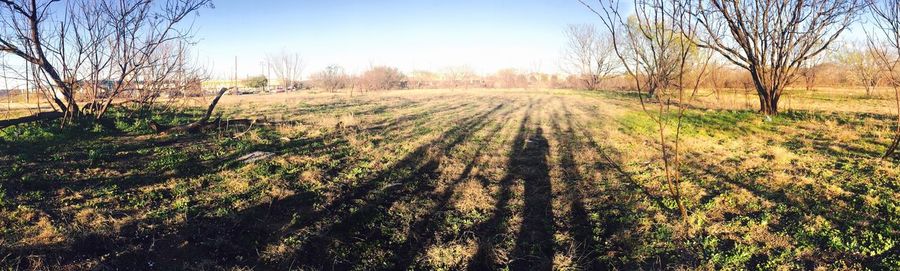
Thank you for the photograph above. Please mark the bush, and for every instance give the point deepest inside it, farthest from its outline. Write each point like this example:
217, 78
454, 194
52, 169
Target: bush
382, 78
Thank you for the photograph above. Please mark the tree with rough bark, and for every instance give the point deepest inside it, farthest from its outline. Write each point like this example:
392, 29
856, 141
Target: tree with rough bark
587, 56
772, 39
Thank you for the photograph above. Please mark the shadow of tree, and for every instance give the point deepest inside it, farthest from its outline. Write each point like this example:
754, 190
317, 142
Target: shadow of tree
579, 222
427, 230
802, 202
614, 206
238, 239
234, 238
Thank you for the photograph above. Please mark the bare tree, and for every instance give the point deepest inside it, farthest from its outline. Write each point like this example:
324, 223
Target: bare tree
884, 42
288, 68
382, 78
647, 49
772, 39
510, 78
657, 50
458, 76
862, 63
423, 79
587, 54
331, 78
810, 70
172, 74
96, 46
717, 79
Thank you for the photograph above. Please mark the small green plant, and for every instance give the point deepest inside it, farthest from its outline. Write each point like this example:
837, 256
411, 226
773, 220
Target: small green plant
168, 159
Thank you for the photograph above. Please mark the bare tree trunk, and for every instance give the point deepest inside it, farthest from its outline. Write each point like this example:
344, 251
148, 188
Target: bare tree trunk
893, 147
192, 127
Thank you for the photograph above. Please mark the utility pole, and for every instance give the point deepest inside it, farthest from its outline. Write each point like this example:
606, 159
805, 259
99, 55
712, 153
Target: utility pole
235, 73
262, 71
268, 71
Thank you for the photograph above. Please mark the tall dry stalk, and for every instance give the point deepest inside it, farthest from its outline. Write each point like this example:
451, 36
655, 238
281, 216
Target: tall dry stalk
657, 49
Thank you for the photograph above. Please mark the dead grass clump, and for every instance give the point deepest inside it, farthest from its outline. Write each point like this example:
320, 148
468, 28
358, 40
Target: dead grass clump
43, 233
403, 214
453, 256
471, 196
277, 252
90, 218
841, 133
348, 120
782, 156
291, 130
235, 183
311, 178
258, 138
342, 121
753, 161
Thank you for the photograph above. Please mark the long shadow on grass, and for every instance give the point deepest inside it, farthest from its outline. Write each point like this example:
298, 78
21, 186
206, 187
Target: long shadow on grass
831, 209
742, 123
427, 230
580, 224
801, 206
241, 238
77, 149
410, 160
608, 163
534, 247
488, 232
148, 243
617, 206
202, 239
50, 175
393, 124
358, 229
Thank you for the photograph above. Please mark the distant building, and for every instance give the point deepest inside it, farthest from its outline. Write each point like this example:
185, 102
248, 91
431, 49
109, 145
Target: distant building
215, 85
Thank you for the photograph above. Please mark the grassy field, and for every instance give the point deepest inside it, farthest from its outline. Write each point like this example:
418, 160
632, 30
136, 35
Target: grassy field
447, 180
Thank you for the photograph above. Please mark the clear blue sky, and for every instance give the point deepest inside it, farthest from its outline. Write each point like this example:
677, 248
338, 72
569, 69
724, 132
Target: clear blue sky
485, 35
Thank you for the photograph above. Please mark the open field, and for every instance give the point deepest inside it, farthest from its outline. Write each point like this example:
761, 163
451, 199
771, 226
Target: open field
441, 179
